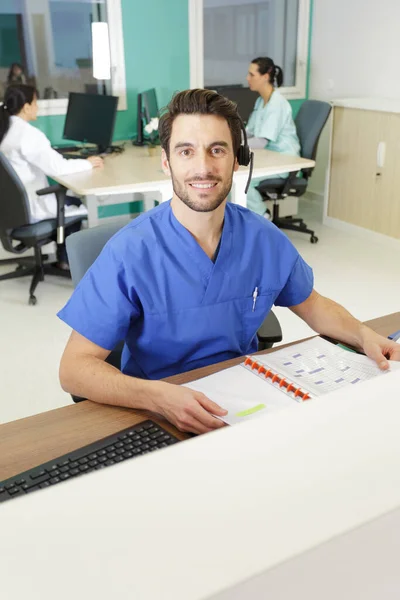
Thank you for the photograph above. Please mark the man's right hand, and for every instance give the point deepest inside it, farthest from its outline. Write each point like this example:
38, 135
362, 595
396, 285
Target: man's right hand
96, 161
187, 409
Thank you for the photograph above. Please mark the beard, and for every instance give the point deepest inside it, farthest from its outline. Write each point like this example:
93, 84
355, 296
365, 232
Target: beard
202, 202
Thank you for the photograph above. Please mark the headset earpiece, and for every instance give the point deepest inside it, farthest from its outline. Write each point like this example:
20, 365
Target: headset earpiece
244, 154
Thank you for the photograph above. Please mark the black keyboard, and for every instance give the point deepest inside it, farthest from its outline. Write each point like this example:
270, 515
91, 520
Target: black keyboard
78, 155
62, 149
128, 443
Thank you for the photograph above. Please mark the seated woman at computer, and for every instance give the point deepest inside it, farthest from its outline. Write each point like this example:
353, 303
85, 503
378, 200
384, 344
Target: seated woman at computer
30, 153
271, 123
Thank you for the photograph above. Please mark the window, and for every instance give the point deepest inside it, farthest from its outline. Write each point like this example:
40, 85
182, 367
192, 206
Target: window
225, 35
52, 41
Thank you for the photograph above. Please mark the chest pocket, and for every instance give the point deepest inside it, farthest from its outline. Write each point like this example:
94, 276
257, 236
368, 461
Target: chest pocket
253, 316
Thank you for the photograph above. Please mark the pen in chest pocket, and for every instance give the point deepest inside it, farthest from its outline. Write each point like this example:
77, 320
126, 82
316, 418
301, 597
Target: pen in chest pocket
255, 294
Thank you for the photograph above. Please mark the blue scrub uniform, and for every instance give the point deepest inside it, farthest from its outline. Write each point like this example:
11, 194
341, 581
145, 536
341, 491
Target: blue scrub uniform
274, 122
155, 288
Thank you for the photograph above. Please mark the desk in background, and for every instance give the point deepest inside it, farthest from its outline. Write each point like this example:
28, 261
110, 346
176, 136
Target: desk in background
134, 177
195, 520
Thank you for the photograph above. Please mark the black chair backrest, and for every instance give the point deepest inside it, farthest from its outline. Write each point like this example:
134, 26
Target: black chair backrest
310, 121
14, 202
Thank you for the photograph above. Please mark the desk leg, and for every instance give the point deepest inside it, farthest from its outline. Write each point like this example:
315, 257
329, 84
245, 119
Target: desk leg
237, 195
147, 194
162, 193
166, 191
91, 203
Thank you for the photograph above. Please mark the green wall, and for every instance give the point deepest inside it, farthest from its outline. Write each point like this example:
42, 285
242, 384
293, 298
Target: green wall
9, 46
156, 55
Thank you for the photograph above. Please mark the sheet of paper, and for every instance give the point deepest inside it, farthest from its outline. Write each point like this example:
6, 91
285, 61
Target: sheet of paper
320, 367
243, 394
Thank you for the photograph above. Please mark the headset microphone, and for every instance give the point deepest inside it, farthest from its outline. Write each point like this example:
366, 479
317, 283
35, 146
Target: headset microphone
245, 156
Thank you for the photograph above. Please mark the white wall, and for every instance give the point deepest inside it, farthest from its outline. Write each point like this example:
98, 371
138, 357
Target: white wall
355, 52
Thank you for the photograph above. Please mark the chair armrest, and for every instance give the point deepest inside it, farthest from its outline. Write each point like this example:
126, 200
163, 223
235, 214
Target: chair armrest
51, 189
60, 191
270, 331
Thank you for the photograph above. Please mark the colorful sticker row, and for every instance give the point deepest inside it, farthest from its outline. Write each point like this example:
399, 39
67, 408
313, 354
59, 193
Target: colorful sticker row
281, 381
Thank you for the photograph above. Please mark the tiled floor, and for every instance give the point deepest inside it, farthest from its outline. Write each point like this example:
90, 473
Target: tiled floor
362, 276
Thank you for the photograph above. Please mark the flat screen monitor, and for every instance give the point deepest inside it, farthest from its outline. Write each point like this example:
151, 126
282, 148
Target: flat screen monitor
91, 119
149, 105
223, 86
242, 96
147, 109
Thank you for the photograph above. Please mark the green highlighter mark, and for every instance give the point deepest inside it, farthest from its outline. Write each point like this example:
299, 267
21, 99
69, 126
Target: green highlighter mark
250, 411
346, 348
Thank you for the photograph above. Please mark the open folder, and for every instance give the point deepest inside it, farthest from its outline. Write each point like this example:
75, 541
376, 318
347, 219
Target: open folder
286, 378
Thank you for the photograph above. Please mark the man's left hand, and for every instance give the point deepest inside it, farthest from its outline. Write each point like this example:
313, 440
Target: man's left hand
379, 348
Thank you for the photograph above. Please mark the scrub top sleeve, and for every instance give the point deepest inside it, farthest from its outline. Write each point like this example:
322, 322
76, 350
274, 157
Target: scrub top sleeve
274, 122
251, 123
250, 127
299, 285
103, 305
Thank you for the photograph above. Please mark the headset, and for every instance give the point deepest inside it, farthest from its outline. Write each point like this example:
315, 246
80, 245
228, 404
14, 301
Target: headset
245, 156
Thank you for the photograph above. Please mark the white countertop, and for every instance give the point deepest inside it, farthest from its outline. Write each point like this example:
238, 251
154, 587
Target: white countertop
391, 105
199, 517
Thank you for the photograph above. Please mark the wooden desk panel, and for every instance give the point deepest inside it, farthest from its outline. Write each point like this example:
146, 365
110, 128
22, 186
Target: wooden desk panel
32, 441
29, 442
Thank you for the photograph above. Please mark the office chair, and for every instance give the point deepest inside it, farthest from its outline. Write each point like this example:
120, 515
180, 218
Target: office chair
310, 122
17, 234
84, 247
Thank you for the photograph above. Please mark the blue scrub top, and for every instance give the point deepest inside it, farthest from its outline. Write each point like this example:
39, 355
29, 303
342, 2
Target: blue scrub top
274, 121
154, 287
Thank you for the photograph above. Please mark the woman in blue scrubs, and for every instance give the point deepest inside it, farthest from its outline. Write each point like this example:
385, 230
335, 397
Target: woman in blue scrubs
271, 123
189, 283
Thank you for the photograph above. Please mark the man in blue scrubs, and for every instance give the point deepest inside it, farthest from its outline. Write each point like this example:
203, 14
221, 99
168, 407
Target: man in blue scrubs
189, 283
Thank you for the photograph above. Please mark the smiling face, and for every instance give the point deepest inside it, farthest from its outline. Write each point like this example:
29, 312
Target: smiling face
201, 161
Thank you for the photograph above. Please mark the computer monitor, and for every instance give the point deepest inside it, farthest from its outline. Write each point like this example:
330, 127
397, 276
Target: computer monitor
242, 96
91, 118
147, 109
150, 105
223, 86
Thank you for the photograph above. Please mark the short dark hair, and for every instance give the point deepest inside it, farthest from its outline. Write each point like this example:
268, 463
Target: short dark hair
200, 102
266, 65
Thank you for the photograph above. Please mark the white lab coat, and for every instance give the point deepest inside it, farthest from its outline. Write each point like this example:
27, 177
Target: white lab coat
30, 153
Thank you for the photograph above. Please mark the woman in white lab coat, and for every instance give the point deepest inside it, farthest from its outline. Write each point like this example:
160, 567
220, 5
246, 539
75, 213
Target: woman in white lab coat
271, 123
30, 153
